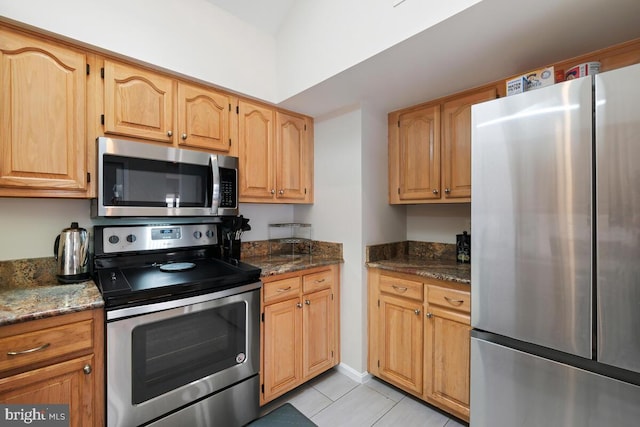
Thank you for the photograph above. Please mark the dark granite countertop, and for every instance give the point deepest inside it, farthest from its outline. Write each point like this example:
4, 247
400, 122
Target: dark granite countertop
433, 260
29, 290
280, 264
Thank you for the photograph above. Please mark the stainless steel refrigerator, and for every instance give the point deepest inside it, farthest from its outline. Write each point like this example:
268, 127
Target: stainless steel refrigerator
555, 274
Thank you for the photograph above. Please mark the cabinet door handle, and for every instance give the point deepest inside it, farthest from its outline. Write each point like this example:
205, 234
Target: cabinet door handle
447, 190
283, 289
87, 369
416, 311
435, 191
319, 281
454, 301
184, 136
399, 288
281, 192
273, 191
31, 350
299, 305
307, 302
169, 133
429, 315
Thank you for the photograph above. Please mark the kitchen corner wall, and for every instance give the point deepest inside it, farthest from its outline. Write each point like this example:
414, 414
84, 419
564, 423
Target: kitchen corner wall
438, 223
351, 207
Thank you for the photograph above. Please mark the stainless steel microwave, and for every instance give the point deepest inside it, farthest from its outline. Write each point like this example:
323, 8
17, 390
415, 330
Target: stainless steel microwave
139, 179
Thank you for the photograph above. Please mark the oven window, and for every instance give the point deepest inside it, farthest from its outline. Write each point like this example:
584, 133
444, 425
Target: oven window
130, 181
176, 351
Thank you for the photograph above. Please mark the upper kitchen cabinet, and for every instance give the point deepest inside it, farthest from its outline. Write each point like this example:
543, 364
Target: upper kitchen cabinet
138, 103
430, 150
203, 118
276, 155
43, 99
456, 143
148, 105
414, 155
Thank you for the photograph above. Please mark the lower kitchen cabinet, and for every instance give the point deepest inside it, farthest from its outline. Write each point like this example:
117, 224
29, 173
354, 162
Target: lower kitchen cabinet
57, 360
300, 328
419, 337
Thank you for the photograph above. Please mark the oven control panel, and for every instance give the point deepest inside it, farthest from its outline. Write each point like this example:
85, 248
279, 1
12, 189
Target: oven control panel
151, 237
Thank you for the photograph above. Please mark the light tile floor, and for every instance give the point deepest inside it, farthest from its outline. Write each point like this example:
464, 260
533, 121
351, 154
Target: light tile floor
335, 400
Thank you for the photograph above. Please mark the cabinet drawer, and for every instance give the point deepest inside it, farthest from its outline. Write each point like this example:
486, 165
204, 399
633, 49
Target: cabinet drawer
45, 344
450, 298
281, 289
315, 281
401, 287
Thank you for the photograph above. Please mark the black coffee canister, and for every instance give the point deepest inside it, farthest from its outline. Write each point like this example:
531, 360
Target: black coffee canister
463, 247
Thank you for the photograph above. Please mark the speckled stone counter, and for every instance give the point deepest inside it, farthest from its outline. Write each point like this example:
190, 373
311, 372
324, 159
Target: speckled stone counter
322, 253
433, 260
29, 290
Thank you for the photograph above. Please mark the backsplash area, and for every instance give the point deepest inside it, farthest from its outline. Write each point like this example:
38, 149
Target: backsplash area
411, 249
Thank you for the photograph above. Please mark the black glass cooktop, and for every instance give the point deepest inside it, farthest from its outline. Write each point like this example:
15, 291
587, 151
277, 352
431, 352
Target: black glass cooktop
145, 284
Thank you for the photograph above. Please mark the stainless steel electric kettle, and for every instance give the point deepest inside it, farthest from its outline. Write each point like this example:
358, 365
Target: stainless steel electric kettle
71, 250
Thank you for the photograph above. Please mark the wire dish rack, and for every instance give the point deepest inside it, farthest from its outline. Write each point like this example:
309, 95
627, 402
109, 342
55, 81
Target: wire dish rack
290, 239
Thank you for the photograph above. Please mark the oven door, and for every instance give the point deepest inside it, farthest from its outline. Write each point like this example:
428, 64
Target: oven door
162, 361
138, 179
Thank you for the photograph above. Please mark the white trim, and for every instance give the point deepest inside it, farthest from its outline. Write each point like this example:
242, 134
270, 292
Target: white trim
359, 377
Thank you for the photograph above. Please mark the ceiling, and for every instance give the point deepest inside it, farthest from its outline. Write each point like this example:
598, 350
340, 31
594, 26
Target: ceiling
267, 15
489, 41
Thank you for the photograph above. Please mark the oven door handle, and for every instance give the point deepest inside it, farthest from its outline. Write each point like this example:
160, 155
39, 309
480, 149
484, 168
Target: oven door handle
215, 188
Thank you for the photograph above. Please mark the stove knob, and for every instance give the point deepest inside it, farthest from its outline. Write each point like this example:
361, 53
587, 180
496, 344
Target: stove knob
114, 239
131, 238
197, 234
210, 233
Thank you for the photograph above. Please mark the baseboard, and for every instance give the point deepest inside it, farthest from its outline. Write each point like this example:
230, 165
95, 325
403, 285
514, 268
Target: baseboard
359, 377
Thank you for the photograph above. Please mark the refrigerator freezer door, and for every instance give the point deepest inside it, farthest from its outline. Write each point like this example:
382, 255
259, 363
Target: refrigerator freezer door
531, 216
618, 217
510, 388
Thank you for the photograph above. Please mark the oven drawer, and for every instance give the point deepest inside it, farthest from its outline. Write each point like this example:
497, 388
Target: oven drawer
281, 289
34, 345
316, 281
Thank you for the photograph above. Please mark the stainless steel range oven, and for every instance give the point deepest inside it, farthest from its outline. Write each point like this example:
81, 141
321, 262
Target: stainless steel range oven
182, 332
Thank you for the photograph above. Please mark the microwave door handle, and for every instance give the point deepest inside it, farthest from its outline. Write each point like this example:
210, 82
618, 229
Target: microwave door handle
215, 195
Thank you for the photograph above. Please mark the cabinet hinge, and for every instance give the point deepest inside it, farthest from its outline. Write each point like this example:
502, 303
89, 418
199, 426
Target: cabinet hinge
237, 109
331, 297
262, 317
101, 119
398, 123
305, 126
88, 177
378, 303
305, 190
332, 354
398, 190
262, 388
102, 72
229, 142
88, 69
229, 106
378, 363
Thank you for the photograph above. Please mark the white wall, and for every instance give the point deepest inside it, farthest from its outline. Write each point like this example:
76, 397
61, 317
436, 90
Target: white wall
191, 37
336, 216
320, 39
438, 223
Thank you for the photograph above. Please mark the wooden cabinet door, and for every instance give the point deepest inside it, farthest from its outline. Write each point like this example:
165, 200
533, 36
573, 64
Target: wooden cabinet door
400, 342
447, 349
282, 347
317, 332
203, 118
256, 152
62, 383
456, 143
138, 103
292, 153
417, 154
43, 91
